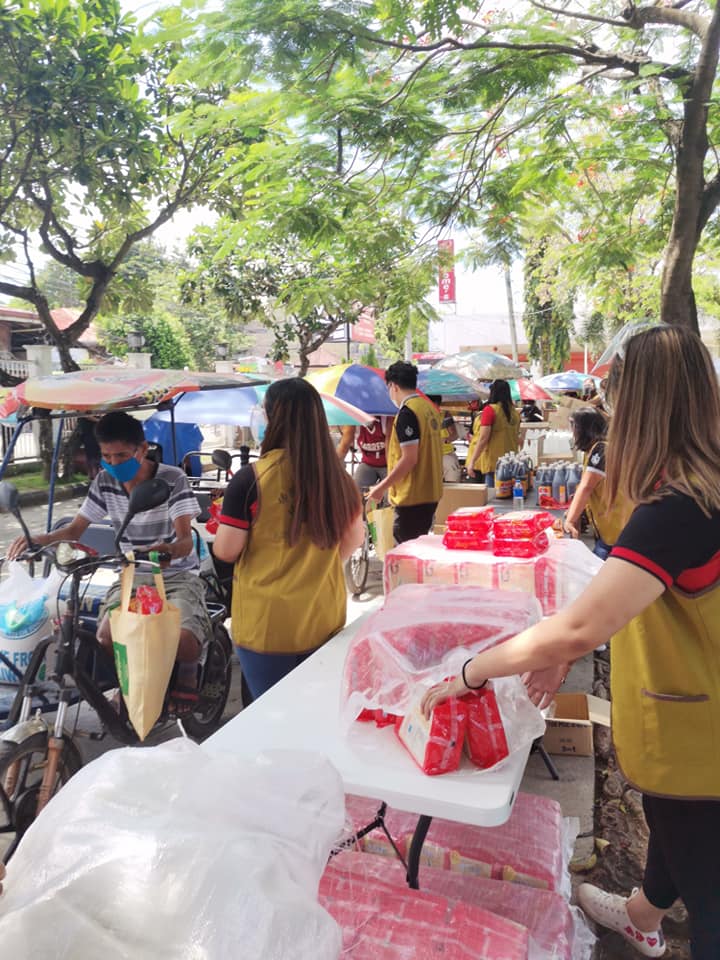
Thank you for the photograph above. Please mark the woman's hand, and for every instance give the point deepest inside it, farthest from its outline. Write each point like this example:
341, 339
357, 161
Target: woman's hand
571, 528
440, 693
470, 471
542, 685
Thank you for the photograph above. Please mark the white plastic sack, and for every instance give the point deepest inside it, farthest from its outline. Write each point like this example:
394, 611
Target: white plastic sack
27, 608
173, 853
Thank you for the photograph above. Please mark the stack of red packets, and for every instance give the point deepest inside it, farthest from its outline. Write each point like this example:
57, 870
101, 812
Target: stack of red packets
469, 528
518, 534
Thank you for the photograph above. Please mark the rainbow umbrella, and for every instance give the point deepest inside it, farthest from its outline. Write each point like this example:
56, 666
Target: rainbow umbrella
527, 390
120, 387
353, 383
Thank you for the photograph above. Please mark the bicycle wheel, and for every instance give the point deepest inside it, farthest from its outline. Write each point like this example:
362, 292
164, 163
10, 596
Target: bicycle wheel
18, 805
358, 566
215, 689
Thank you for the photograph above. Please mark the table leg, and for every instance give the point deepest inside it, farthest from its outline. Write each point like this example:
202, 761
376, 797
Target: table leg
413, 864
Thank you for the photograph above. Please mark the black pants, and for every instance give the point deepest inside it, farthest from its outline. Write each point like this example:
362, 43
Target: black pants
684, 861
412, 522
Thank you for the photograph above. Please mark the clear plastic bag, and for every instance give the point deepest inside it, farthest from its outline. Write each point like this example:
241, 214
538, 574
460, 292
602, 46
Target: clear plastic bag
27, 608
176, 853
422, 635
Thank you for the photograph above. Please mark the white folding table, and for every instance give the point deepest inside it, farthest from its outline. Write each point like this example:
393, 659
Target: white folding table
302, 712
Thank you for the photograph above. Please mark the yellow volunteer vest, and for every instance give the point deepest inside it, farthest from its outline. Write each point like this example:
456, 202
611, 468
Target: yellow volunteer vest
665, 685
607, 521
503, 439
447, 446
424, 483
285, 599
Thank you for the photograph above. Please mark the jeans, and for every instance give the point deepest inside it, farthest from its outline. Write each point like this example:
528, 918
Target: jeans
601, 549
263, 670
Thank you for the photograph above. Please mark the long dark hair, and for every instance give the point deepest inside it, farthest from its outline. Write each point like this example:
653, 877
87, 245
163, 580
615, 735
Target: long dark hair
588, 426
500, 393
326, 498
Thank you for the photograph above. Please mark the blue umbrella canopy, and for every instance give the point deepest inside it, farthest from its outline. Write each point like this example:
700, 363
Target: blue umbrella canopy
565, 380
362, 386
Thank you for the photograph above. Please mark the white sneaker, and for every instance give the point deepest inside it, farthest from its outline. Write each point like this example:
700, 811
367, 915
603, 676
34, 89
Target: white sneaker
609, 910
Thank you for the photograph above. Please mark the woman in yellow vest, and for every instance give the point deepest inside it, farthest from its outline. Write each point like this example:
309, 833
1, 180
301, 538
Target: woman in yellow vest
658, 598
589, 428
495, 432
288, 523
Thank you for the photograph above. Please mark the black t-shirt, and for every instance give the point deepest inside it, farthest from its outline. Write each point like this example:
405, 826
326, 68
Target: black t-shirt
674, 540
596, 460
240, 502
407, 426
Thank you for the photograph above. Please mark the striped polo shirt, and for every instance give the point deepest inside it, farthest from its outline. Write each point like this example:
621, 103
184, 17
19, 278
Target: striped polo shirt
108, 498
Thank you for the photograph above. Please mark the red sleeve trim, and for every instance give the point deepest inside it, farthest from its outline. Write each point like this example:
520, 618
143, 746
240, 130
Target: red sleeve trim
233, 522
488, 417
622, 553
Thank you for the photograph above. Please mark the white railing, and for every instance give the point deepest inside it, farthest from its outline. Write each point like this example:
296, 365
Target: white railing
16, 368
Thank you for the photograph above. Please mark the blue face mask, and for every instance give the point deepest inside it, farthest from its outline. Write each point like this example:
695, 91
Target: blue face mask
123, 472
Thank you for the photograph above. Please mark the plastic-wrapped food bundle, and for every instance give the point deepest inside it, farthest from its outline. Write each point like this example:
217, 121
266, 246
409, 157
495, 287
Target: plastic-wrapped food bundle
532, 847
467, 540
435, 744
556, 578
135, 859
471, 519
485, 739
420, 636
381, 921
521, 525
526, 549
557, 931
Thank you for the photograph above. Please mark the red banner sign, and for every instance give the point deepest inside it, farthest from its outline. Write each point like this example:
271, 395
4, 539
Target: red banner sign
446, 277
364, 330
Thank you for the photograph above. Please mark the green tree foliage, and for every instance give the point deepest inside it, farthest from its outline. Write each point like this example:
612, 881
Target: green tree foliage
547, 321
595, 123
91, 162
147, 296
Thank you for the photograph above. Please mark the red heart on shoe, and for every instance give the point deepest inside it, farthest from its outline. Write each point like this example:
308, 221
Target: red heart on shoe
639, 937
651, 941
629, 931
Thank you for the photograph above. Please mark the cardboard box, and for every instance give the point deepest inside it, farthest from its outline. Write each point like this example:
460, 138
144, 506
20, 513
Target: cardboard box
569, 732
560, 419
439, 529
456, 495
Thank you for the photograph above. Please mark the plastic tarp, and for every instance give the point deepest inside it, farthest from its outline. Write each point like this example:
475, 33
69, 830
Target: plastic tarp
556, 578
173, 853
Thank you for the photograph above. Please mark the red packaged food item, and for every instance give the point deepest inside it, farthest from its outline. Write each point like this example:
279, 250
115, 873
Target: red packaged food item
525, 549
467, 539
378, 717
485, 739
471, 518
521, 524
436, 744
148, 600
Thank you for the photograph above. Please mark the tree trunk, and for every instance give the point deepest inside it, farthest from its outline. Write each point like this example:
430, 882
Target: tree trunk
694, 199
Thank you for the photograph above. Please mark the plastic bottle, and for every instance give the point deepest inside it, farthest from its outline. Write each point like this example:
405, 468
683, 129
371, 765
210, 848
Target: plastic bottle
572, 482
518, 495
559, 484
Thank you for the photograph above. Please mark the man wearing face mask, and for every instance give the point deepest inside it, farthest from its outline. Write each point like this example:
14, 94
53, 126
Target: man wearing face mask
166, 528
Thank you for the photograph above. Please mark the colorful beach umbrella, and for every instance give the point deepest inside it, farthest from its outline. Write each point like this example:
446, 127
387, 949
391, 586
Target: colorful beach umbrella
120, 387
481, 365
363, 387
527, 390
234, 408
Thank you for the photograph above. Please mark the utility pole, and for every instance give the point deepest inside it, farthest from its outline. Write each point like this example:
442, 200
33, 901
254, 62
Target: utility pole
511, 313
